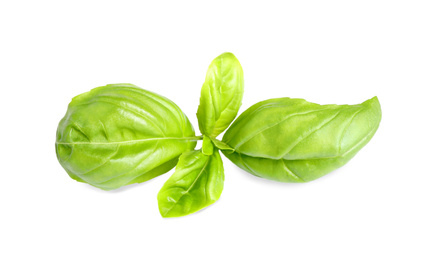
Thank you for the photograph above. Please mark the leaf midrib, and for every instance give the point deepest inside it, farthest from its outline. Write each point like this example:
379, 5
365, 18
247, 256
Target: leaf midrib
320, 158
133, 141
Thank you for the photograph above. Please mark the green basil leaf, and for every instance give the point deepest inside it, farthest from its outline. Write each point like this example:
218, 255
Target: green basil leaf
221, 95
120, 134
222, 146
197, 183
292, 140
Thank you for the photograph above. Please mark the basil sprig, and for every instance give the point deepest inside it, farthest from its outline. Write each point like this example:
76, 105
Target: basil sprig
120, 134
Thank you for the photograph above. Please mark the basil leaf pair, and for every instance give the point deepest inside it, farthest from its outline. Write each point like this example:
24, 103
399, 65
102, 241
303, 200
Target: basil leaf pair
120, 134
199, 177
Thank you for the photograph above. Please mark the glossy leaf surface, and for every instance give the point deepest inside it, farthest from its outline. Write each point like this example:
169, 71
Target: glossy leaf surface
197, 183
120, 134
221, 95
292, 140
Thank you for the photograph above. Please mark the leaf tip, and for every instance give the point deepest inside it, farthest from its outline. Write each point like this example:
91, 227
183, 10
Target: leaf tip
374, 105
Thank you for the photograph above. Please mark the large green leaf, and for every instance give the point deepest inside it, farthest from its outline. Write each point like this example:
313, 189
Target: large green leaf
120, 134
292, 140
221, 95
197, 183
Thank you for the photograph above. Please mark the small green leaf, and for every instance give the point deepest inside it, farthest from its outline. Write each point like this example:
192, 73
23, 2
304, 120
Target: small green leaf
207, 146
221, 95
292, 140
197, 183
222, 146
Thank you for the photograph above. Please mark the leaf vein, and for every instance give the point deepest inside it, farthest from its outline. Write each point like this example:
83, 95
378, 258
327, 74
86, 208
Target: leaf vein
311, 133
283, 120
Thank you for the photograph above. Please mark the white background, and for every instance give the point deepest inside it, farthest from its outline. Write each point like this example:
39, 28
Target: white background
343, 52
